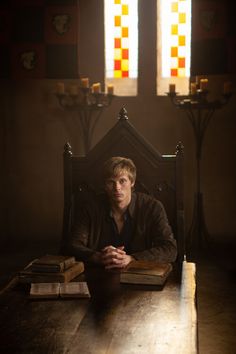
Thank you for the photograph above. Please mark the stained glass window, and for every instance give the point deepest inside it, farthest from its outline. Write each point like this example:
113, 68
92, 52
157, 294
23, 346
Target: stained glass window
173, 45
121, 45
173, 49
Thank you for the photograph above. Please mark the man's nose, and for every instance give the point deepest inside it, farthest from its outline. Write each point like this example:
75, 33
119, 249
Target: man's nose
116, 185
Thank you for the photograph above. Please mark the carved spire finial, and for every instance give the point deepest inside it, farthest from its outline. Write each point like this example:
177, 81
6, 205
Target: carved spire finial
123, 114
179, 148
68, 149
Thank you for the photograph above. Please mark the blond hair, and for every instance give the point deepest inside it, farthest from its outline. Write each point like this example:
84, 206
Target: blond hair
115, 165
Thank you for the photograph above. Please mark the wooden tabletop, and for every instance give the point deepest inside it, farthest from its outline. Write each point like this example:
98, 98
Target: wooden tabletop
118, 319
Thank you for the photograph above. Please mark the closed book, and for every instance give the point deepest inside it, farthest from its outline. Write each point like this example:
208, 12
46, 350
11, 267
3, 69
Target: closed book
59, 290
29, 276
146, 272
52, 263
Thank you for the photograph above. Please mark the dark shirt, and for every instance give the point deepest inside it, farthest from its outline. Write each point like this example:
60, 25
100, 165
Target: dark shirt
122, 238
150, 235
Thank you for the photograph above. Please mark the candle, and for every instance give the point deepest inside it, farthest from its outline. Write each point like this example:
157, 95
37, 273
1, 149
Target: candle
203, 84
110, 89
85, 82
227, 88
171, 88
193, 88
73, 90
96, 88
198, 78
60, 88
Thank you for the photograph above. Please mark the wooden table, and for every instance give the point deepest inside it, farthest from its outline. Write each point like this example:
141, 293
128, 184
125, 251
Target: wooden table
118, 319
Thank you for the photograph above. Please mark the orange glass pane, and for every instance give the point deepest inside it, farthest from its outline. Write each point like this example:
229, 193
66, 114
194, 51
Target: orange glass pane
174, 29
174, 7
181, 63
125, 53
117, 43
117, 20
182, 41
182, 17
117, 64
173, 72
125, 32
125, 9
125, 74
174, 51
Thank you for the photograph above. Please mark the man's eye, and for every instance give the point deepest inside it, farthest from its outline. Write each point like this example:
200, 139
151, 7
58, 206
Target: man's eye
122, 181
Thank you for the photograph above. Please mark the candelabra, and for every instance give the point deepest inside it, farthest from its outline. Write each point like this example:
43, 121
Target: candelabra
199, 111
89, 106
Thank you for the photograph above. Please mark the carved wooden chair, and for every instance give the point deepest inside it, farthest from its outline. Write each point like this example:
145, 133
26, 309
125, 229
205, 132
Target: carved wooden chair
157, 174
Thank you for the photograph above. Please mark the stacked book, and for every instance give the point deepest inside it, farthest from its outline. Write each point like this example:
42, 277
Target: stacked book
50, 269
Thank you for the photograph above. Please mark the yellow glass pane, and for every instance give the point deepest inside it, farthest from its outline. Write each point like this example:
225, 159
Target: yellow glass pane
117, 21
182, 41
174, 7
182, 17
117, 1
125, 32
117, 53
174, 29
125, 65
125, 9
117, 73
181, 72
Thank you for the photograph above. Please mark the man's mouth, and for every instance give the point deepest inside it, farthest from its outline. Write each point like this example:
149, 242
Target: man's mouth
118, 195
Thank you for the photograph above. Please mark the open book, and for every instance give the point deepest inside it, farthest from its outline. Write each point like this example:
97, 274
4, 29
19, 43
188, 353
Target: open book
146, 272
56, 290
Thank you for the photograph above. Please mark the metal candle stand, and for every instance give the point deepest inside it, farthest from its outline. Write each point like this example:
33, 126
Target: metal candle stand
199, 111
89, 106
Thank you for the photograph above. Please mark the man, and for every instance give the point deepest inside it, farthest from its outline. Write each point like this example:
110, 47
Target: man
122, 225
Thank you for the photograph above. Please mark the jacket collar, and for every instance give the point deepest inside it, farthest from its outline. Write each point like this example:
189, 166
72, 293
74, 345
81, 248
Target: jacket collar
131, 206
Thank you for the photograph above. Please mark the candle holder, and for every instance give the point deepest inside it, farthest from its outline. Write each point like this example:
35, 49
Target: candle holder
89, 106
199, 111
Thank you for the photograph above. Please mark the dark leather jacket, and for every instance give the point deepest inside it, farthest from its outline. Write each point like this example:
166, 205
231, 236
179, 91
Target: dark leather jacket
151, 234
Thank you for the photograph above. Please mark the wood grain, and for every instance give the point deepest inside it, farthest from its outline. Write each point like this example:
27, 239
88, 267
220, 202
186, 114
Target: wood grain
118, 319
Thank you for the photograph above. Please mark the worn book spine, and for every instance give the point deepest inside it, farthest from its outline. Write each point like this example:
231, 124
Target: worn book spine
47, 269
143, 272
28, 276
52, 264
144, 279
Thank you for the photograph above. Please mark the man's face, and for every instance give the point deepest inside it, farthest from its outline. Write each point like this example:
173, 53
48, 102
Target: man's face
119, 188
